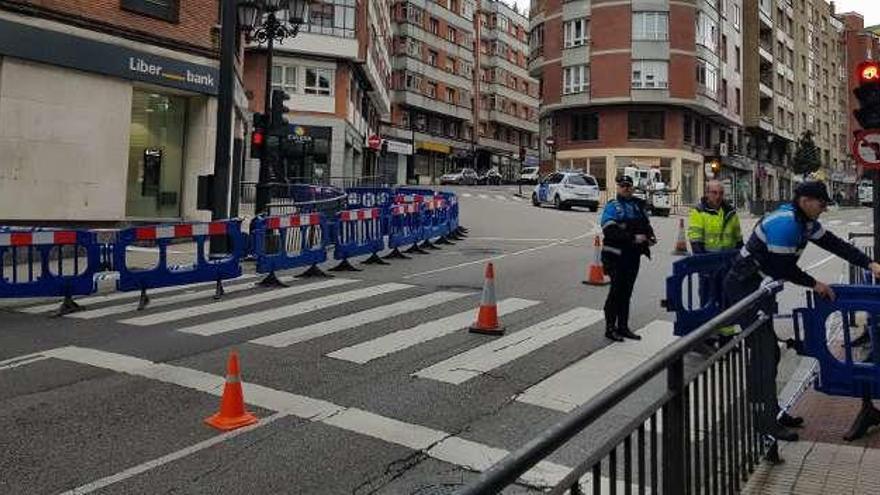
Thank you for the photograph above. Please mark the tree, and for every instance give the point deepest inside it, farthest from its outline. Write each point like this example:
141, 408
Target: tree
806, 156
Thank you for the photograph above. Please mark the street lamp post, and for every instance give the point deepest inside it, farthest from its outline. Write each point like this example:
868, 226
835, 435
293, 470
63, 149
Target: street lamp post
259, 20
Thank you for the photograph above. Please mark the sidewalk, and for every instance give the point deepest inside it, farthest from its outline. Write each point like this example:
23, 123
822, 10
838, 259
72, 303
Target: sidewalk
822, 462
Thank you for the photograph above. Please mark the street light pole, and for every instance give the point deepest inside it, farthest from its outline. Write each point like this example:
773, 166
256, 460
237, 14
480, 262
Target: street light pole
225, 98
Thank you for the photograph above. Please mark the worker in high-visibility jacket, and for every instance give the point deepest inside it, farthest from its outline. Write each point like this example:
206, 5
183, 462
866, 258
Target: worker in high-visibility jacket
714, 227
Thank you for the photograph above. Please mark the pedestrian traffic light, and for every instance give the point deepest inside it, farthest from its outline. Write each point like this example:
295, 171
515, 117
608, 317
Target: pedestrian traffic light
258, 135
868, 94
276, 119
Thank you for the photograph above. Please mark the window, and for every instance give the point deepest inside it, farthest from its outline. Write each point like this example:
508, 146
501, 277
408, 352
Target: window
432, 58
688, 132
724, 92
575, 32
706, 31
335, 17
737, 101
737, 61
413, 82
450, 95
735, 15
451, 34
575, 79
707, 77
167, 10
318, 81
413, 48
650, 26
414, 14
585, 127
723, 48
646, 125
284, 78
435, 26
450, 65
432, 90
650, 74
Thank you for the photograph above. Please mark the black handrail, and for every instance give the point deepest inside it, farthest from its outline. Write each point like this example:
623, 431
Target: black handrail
509, 469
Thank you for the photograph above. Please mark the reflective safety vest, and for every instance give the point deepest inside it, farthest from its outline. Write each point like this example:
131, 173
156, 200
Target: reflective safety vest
717, 230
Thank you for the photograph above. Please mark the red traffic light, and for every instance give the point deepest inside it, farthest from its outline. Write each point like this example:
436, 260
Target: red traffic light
868, 71
257, 138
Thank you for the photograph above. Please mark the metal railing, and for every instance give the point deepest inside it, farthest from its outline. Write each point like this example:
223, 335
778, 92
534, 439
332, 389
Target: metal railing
858, 275
707, 439
301, 197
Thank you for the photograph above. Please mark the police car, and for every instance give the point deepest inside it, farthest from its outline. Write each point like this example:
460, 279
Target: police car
567, 189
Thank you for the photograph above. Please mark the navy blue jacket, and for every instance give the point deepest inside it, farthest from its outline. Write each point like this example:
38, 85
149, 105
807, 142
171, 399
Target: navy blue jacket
622, 219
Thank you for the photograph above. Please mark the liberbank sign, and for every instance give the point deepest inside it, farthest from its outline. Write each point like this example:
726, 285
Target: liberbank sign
51, 47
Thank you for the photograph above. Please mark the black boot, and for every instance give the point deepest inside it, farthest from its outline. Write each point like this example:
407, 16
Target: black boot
611, 334
784, 434
626, 332
789, 421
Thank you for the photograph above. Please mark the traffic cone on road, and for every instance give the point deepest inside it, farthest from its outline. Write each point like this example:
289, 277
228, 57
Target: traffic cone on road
681, 247
232, 414
595, 272
487, 316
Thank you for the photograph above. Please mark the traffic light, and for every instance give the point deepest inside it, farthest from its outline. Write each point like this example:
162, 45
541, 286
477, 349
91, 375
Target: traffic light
868, 94
522, 154
258, 135
276, 117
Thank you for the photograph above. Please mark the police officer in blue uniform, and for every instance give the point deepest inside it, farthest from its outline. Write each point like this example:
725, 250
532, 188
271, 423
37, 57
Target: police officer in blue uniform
628, 236
773, 250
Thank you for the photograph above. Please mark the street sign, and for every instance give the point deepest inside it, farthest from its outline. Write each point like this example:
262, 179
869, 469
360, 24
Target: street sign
550, 141
398, 147
866, 148
374, 142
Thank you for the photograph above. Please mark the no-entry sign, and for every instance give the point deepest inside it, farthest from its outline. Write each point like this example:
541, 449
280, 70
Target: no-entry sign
866, 148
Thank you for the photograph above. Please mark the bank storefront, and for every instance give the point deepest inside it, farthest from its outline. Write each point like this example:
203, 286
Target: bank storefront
103, 129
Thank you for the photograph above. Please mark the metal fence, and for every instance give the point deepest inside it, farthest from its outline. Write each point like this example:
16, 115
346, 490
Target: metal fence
858, 275
294, 198
698, 437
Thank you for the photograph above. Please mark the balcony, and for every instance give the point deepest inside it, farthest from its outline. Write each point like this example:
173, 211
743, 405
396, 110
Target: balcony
411, 98
513, 121
500, 89
499, 145
499, 61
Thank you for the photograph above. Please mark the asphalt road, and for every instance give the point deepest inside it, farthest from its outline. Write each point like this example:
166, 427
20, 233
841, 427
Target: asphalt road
367, 383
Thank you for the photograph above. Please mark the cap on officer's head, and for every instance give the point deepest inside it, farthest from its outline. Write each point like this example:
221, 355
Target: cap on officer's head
812, 189
624, 180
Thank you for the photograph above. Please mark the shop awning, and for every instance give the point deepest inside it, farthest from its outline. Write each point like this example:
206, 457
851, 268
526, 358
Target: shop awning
429, 146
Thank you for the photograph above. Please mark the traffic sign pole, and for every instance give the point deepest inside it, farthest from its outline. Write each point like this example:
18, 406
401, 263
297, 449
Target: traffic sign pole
866, 150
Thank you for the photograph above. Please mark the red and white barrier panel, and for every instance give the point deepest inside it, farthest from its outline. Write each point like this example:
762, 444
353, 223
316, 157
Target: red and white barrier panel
37, 238
361, 214
435, 203
409, 198
288, 221
182, 230
403, 209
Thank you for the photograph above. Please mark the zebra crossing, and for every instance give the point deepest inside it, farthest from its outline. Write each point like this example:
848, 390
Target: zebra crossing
246, 308
505, 198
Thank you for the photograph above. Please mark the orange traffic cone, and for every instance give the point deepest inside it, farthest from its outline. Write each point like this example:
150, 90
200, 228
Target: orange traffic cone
681, 247
595, 272
232, 414
487, 316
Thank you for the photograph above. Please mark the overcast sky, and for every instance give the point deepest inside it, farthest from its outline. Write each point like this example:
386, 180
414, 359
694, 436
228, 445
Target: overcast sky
870, 9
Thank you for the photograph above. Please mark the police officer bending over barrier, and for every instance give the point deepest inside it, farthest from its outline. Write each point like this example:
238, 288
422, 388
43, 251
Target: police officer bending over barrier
628, 236
773, 250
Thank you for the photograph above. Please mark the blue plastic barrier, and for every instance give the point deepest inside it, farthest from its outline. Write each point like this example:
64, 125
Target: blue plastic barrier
36, 262
163, 275
437, 210
844, 376
288, 241
452, 201
694, 290
370, 197
358, 232
405, 227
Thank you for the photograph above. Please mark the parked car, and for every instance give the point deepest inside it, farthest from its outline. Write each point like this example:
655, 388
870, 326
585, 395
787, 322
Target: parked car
529, 175
492, 176
462, 177
567, 189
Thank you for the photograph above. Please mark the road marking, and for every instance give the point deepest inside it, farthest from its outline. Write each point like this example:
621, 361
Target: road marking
508, 239
174, 456
483, 196
115, 296
820, 262
854, 224
835, 222
502, 256
349, 321
478, 361
17, 361
466, 195
162, 301
435, 443
517, 198
403, 339
501, 197
289, 311
580, 382
225, 305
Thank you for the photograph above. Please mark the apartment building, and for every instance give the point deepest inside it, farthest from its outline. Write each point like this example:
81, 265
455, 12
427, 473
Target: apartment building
107, 109
796, 83
861, 44
459, 65
652, 84
337, 71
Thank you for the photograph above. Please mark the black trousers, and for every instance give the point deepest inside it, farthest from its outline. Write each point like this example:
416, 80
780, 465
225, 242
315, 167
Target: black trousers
763, 349
623, 270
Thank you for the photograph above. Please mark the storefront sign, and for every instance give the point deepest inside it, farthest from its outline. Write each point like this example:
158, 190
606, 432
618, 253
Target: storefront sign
299, 134
429, 146
65, 50
398, 147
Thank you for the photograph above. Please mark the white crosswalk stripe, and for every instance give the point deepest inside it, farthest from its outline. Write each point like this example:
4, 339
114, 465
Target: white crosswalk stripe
835, 222
473, 363
323, 328
483, 196
162, 301
117, 296
227, 304
854, 224
466, 195
291, 310
501, 197
581, 381
403, 339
